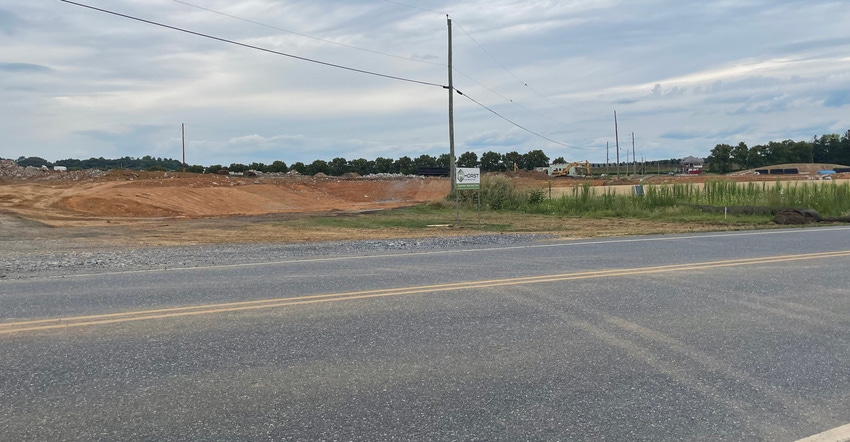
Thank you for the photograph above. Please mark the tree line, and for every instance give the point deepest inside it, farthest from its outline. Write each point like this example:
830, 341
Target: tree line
146, 162
488, 162
831, 149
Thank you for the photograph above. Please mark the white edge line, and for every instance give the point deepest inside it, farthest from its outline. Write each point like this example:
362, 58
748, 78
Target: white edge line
839, 434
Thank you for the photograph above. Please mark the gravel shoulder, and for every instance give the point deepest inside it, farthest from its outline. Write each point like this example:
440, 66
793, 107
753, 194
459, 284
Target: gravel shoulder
36, 251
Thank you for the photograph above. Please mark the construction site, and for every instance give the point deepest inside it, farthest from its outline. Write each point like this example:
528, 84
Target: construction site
156, 208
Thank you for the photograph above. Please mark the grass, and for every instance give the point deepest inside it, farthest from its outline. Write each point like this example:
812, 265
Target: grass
429, 220
828, 198
588, 211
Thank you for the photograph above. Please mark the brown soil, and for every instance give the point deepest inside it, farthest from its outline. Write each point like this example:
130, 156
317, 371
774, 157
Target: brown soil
155, 208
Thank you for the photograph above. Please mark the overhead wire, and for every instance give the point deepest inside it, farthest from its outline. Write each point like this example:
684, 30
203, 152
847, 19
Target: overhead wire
511, 100
415, 7
362, 71
454, 21
271, 51
520, 126
505, 68
400, 57
305, 35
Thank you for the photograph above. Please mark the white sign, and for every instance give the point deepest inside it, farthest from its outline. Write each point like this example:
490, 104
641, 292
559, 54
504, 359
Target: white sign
468, 178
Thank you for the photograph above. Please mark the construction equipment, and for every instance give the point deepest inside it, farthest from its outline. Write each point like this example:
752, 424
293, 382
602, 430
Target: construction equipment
578, 169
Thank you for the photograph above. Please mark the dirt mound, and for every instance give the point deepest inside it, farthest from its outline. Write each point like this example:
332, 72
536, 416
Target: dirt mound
796, 216
130, 194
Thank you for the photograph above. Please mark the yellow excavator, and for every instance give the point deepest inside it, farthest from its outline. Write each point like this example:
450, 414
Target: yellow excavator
578, 169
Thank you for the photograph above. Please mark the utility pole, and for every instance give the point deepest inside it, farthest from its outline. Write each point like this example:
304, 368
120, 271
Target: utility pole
183, 137
607, 161
634, 159
451, 112
617, 145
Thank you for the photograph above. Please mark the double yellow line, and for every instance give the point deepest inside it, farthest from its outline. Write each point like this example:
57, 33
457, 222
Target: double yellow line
208, 309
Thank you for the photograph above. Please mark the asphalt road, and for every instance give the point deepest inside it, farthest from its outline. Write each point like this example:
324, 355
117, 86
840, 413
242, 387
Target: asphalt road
737, 336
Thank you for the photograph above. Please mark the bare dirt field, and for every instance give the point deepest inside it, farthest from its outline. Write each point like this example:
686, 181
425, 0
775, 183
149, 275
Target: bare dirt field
164, 208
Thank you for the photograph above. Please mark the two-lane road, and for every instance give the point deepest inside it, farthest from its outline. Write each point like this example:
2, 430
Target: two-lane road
736, 336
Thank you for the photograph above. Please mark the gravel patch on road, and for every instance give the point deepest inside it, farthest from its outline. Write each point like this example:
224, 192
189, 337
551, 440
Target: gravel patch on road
62, 260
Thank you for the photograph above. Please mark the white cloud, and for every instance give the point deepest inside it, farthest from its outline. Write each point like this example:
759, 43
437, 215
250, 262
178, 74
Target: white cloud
683, 76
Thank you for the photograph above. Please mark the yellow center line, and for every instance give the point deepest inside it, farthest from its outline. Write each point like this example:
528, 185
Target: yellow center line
208, 309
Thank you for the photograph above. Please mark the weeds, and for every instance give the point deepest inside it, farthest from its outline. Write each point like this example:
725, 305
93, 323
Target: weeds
665, 201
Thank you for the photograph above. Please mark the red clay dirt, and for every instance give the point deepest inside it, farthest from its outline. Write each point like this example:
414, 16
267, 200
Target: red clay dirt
155, 208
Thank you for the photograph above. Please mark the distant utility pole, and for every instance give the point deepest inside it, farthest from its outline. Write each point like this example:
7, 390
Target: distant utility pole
607, 161
617, 145
451, 112
634, 159
183, 137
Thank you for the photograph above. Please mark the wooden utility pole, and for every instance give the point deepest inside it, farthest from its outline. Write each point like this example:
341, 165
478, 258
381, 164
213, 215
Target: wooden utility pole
183, 137
617, 144
634, 158
607, 161
451, 112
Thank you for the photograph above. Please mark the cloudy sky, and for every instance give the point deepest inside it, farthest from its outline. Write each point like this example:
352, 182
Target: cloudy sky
683, 76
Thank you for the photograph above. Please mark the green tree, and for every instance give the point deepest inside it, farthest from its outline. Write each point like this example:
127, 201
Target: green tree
259, 167
491, 161
404, 165
238, 168
800, 151
362, 166
468, 159
32, 161
425, 160
318, 166
740, 155
383, 165
299, 167
337, 166
278, 167
535, 158
755, 158
512, 158
720, 158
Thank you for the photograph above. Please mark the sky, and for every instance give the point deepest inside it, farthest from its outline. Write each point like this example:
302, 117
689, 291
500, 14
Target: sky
368, 78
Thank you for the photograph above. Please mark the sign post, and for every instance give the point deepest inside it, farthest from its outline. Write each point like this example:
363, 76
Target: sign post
467, 178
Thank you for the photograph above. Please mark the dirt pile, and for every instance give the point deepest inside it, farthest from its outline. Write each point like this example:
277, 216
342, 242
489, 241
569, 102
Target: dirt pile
10, 172
60, 198
796, 216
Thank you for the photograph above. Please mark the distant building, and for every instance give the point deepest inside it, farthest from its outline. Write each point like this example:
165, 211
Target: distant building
60, 168
692, 165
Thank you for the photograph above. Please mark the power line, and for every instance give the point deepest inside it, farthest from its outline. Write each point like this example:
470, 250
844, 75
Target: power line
506, 69
305, 35
522, 127
415, 7
224, 40
509, 99
388, 55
